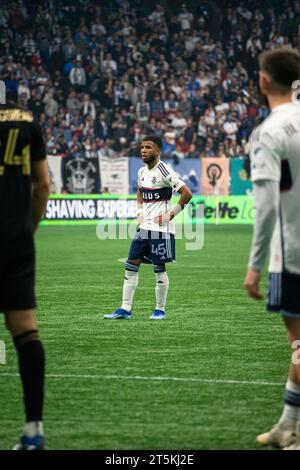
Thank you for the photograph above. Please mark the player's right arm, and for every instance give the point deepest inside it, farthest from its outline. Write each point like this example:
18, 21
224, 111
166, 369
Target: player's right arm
40, 190
140, 210
140, 205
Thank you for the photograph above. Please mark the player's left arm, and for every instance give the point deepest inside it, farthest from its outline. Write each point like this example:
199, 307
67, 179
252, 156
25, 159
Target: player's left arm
185, 196
265, 173
40, 190
39, 175
266, 195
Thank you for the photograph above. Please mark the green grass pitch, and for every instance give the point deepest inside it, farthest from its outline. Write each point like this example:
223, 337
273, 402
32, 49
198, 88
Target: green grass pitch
210, 376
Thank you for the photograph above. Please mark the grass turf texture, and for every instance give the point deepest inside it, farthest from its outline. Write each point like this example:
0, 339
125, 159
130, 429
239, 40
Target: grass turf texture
104, 387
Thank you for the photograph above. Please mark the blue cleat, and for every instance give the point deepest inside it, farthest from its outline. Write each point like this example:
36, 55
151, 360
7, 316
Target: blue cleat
30, 443
119, 314
158, 315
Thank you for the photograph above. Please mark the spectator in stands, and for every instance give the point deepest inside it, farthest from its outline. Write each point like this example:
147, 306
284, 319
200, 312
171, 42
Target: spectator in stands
185, 18
143, 111
77, 76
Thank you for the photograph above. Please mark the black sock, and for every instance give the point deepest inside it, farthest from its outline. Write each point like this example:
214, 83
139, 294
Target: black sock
32, 370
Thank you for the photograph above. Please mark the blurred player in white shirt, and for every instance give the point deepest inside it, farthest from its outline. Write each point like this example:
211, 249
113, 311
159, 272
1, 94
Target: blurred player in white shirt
275, 169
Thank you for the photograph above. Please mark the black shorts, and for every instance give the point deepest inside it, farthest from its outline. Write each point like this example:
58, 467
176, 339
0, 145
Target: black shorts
284, 294
17, 279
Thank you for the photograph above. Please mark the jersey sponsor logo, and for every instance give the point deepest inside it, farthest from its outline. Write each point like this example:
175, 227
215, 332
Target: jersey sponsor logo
155, 195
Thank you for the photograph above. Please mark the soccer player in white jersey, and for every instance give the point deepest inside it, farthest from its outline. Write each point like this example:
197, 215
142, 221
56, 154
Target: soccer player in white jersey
154, 241
275, 168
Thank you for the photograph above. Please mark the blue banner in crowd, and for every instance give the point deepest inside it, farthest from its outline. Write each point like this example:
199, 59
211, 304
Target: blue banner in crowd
135, 163
240, 182
189, 170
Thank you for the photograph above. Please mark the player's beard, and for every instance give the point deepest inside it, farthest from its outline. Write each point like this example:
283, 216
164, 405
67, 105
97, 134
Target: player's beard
150, 159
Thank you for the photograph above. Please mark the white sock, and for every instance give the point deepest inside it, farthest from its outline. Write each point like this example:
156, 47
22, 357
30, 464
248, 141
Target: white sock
161, 290
291, 409
33, 427
130, 284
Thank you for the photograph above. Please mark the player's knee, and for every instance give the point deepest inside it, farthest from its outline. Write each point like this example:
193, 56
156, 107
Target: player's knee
20, 321
134, 262
129, 266
24, 338
159, 268
293, 329
293, 336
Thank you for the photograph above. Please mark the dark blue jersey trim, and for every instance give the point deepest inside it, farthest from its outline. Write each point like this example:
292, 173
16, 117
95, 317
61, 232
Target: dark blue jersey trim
162, 169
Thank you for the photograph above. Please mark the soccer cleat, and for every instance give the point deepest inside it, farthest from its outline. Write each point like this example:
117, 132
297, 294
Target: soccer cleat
30, 443
119, 314
158, 315
281, 435
295, 446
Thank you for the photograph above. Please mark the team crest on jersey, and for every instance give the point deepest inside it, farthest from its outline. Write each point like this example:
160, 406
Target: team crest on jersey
154, 180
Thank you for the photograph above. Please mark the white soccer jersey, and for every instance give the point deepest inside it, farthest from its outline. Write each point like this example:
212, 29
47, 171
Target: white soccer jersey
275, 155
156, 186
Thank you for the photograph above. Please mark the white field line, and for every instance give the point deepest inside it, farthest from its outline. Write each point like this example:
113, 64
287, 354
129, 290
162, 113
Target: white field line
154, 379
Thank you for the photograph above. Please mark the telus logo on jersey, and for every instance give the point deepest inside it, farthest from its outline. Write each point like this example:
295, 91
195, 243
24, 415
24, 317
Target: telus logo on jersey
149, 196
155, 195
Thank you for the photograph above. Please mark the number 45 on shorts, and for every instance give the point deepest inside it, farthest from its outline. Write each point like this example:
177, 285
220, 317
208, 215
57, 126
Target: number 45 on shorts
159, 249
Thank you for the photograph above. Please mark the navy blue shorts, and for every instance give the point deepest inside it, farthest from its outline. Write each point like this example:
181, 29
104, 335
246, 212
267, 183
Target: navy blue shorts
284, 294
152, 247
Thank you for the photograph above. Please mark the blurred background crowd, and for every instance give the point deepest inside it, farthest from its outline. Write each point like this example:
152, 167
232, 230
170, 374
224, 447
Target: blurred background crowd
98, 75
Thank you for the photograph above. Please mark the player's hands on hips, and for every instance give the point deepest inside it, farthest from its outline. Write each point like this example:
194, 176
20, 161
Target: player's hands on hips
251, 284
163, 218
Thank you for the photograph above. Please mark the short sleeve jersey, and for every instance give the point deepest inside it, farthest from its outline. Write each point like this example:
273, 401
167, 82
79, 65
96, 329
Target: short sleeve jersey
21, 143
157, 186
275, 155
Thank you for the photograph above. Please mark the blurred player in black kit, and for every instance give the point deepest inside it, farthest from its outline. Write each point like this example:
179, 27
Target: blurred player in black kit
24, 189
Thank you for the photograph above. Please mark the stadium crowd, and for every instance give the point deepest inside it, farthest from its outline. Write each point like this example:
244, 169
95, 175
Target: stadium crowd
100, 74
